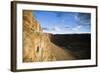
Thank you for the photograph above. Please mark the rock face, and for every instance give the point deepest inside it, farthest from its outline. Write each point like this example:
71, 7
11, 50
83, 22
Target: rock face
37, 45
34, 40
30, 24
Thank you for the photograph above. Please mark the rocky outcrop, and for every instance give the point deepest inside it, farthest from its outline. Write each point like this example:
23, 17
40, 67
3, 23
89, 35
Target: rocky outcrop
34, 39
37, 45
30, 23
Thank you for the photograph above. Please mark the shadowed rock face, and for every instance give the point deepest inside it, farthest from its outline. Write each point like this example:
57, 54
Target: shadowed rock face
37, 45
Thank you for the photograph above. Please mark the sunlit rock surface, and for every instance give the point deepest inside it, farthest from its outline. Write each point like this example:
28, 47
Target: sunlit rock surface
37, 46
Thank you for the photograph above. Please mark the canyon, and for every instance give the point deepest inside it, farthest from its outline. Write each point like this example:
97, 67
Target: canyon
37, 45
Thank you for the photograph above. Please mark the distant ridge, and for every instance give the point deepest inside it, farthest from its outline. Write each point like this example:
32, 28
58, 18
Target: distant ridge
69, 33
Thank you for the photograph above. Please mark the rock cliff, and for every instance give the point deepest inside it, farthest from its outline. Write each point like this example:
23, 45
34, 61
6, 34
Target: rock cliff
37, 45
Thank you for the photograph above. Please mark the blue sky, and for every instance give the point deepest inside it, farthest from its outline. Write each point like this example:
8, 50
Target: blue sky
63, 22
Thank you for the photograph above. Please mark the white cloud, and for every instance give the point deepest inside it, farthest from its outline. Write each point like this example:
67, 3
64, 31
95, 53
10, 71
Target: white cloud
65, 30
77, 28
57, 28
52, 29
